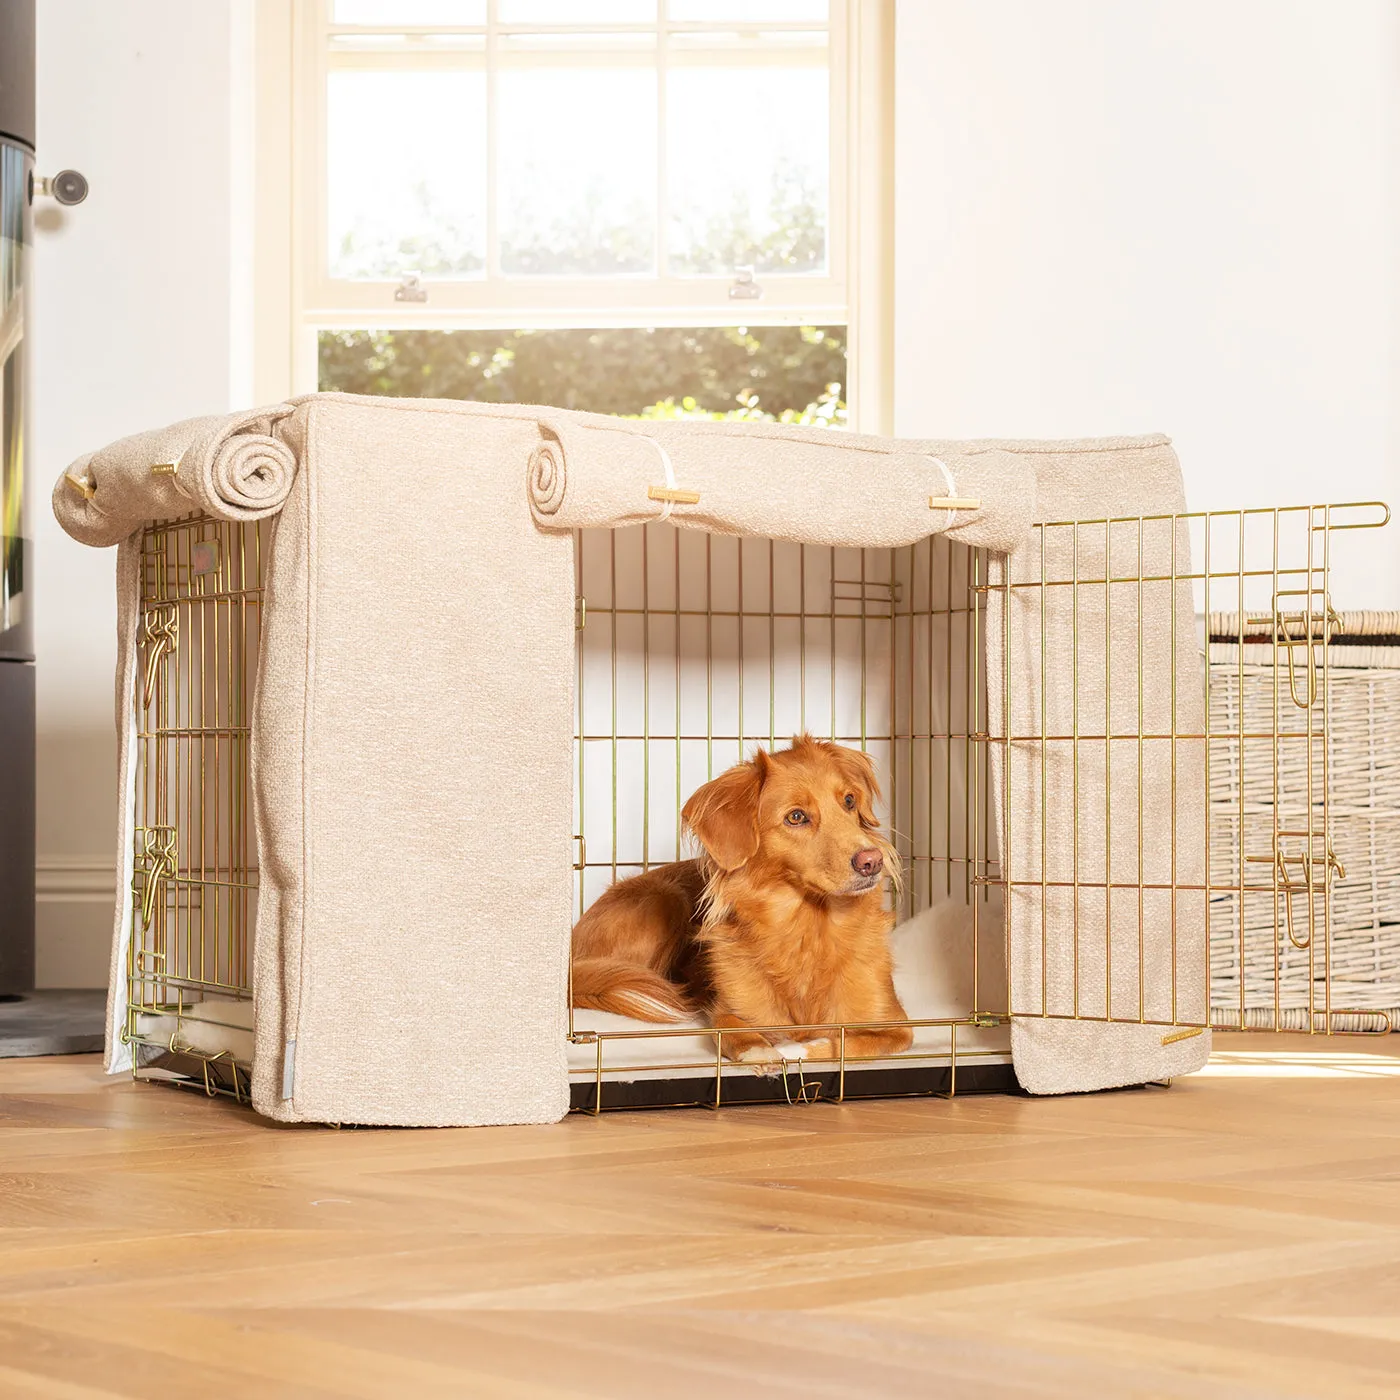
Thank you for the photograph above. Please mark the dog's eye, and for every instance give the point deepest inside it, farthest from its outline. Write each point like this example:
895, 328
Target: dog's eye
850, 802
797, 817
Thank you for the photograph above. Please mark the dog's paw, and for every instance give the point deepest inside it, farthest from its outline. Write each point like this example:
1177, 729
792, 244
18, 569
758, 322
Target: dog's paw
771, 1059
774, 1054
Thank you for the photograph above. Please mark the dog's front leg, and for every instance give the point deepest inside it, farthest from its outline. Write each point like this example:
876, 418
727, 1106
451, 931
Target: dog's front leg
740, 1043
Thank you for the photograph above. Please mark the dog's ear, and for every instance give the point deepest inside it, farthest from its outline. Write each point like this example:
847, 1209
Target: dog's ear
859, 769
724, 813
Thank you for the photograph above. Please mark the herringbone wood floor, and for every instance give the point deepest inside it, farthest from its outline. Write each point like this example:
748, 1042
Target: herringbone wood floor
1235, 1235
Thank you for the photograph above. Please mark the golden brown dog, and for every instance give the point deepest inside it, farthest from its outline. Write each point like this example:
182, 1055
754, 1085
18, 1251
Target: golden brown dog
780, 922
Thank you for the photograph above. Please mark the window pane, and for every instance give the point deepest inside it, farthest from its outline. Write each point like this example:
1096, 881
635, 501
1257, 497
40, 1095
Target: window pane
409, 12
398, 43
718, 40
577, 161
406, 174
576, 11
576, 41
750, 11
747, 168
791, 374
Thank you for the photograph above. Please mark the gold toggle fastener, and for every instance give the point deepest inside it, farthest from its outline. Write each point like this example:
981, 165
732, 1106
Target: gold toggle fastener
674, 494
81, 484
954, 503
165, 468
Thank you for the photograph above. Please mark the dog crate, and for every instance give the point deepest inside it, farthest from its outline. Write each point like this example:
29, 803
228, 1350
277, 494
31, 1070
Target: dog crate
694, 648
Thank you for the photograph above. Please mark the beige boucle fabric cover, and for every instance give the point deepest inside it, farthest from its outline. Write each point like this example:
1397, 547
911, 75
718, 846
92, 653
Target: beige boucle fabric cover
1071, 953
413, 717
231, 466
413, 776
808, 485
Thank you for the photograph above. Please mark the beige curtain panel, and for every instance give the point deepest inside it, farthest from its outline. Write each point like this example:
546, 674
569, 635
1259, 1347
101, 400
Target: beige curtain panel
1090, 820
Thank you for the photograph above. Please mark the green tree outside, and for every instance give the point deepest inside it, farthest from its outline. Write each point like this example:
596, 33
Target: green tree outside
791, 374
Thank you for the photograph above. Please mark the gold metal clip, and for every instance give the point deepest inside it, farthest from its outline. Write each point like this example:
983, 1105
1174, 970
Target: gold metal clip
165, 468
807, 1090
83, 485
954, 503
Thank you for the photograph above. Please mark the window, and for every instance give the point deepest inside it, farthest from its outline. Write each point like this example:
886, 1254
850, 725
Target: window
792, 374
541, 165
562, 155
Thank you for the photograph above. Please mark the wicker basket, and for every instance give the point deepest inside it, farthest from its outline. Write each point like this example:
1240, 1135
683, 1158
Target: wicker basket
1285, 984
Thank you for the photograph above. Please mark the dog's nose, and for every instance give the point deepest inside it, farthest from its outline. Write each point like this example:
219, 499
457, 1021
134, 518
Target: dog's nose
868, 862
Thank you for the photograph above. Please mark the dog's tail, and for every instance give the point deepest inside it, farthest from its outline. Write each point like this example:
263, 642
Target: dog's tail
628, 989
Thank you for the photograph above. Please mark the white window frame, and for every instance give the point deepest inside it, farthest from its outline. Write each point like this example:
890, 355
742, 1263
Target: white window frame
294, 299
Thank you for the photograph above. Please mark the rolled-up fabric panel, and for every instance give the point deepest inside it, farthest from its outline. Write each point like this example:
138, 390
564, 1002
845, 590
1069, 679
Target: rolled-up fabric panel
231, 466
812, 486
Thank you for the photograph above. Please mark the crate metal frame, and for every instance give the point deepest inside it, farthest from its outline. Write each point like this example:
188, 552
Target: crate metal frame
914, 623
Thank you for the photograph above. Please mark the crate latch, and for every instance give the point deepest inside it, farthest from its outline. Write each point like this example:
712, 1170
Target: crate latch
160, 636
1306, 627
155, 863
1296, 873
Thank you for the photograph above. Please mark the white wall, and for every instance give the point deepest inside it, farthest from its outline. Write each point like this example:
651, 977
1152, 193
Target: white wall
141, 298
1174, 215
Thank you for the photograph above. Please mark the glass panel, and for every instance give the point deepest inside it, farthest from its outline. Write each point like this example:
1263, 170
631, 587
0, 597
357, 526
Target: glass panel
400, 43
747, 168
16, 546
748, 11
396, 12
577, 160
576, 11
543, 41
406, 174
792, 374
748, 39
380, 42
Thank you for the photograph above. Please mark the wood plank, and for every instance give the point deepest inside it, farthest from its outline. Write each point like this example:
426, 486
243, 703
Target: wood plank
1241, 1227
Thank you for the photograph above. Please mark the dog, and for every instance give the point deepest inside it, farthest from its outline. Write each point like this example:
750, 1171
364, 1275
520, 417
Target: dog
780, 921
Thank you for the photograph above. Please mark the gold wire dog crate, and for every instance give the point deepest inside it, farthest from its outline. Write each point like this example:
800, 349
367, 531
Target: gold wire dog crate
695, 648
194, 880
